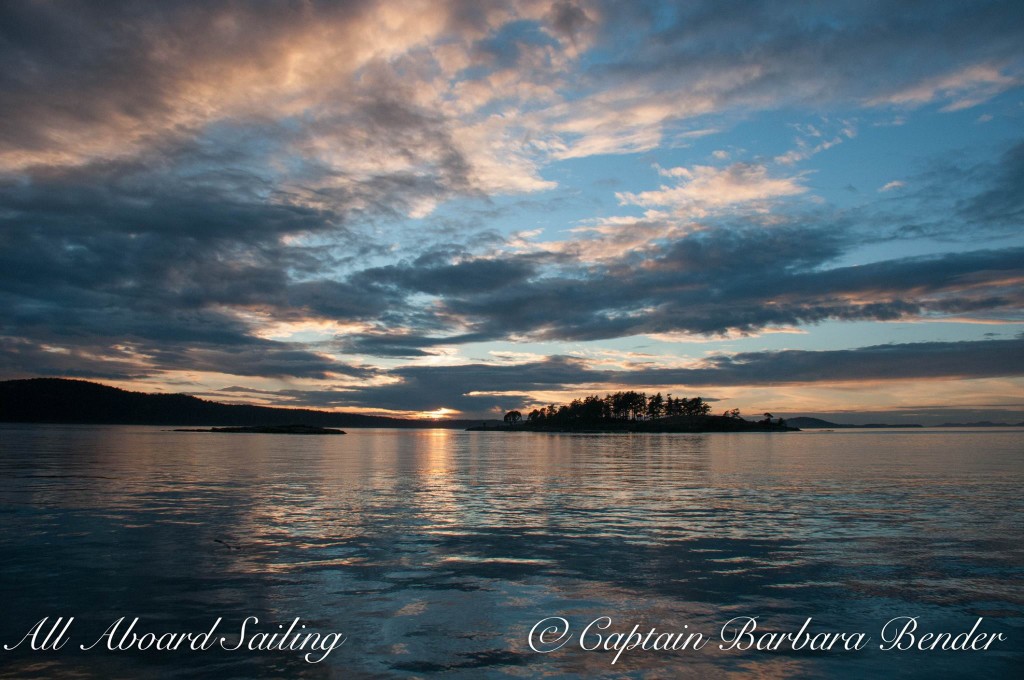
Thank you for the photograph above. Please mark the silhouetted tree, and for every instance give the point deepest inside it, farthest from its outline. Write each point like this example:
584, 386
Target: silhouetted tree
655, 406
699, 407
512, 418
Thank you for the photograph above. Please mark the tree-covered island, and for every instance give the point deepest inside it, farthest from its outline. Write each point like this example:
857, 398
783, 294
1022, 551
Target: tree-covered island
635, 412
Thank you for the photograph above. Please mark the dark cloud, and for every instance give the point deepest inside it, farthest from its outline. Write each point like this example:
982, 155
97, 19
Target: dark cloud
922, 360
743, 280
106, 68
432, 387
786, 51
268, 359
391, 344
164, 194
123, 357
30, 358
569, 19
432, 274
1002, 200
244, 390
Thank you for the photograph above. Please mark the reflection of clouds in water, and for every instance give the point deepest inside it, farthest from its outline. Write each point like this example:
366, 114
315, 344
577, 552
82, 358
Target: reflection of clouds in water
437, 550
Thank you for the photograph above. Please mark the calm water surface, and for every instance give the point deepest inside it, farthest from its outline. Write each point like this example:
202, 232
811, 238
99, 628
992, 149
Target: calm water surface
435, 552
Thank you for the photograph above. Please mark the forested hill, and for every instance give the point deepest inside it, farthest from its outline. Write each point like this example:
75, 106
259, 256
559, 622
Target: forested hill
56, 400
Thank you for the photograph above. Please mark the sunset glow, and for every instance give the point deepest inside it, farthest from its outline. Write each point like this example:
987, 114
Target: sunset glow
410, 208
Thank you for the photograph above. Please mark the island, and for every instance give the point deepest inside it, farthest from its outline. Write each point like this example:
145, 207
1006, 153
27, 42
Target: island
270, 429
819, 424
633, 412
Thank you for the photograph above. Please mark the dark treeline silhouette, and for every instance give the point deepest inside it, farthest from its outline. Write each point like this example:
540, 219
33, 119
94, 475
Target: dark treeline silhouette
635, 412
617, 407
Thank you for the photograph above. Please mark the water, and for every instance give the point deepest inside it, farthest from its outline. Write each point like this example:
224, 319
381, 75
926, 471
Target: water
436, 552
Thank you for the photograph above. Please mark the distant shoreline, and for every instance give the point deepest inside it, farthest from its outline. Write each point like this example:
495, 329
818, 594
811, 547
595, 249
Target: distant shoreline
269, 429
81, 402
59, 401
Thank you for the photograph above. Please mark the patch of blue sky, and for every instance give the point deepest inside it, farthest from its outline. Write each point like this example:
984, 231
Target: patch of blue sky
834, 335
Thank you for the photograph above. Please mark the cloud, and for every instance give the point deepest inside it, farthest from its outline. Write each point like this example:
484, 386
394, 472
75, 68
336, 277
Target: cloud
703, 188
1002, 199
895, 184
688, 60
353, 90
962, 89
570, 20
923, 360
130, 358
426, 388
742, 280
434, 274
366, 87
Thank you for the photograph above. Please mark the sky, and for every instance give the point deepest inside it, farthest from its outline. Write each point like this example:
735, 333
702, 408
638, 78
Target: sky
453, 209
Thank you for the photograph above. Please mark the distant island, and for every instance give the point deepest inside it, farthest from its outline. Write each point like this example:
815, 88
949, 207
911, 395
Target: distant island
634, 412
271, 429
983, 423
57, 400
804, 422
